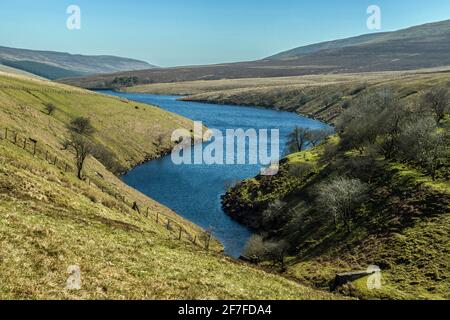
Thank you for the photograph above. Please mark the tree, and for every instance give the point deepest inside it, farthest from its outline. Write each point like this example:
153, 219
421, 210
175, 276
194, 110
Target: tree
82, 147
258, 249
437, 101
298, 139
82, 126
340, 197
425, 144
80, 131
277, 252
50, 108
375, 119
255, 249
318, 135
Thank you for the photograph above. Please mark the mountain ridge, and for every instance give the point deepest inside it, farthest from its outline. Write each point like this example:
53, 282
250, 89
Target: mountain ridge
54, 64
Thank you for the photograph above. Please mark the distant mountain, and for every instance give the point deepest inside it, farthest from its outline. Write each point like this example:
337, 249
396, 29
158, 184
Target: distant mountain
56, 65
425, 46
402, 43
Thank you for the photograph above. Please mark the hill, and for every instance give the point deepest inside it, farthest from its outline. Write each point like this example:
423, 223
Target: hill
366, 196
424, 46
50, 220
412, 39
55, 65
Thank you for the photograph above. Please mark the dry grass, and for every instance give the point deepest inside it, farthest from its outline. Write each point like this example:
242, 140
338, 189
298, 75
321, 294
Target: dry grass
322, 97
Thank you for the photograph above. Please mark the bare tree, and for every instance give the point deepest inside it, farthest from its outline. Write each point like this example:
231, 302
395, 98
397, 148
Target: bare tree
318, 135
298, 139
277, 252
80, 131
82, 147
437, 100
255, 249
340, 197
423, 143
259, 249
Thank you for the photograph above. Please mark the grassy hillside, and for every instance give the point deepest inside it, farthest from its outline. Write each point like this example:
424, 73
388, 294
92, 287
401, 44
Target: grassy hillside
323, 97
50, 220
367, 196
41, 69
404, 227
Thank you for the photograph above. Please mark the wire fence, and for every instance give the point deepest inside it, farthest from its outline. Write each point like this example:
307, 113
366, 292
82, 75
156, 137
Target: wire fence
40, 152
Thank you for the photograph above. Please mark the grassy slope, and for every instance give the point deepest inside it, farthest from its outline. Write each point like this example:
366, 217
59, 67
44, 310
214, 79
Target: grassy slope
404, 229
49, 220
322, 96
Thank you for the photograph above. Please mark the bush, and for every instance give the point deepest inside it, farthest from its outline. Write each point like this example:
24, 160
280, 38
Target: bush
424, 144
81, 126
436, 101
261, 250
340, 198
50, 108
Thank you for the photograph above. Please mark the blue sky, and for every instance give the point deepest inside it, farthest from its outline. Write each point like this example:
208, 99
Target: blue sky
184, 32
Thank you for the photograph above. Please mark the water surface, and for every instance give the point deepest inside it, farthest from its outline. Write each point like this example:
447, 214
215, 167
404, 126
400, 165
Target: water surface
193, 191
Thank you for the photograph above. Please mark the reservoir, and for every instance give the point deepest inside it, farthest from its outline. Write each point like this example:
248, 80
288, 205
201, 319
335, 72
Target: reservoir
194, 191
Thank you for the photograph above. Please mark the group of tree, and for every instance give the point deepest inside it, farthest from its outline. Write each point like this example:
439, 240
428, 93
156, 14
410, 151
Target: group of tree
409, 133
341, 197
124, 81
376, 129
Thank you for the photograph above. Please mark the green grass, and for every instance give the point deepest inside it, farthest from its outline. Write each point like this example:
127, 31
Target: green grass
403, 227
50, 220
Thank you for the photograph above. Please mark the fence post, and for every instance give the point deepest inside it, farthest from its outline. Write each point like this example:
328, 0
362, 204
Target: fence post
157, 217
147, 214
65, 168
6, 133
168, 224
46, 155
179, 236
54, 162
24, 143
34, 148
15, 138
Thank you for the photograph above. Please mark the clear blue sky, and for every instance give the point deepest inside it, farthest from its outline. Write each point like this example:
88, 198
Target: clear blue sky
184, 32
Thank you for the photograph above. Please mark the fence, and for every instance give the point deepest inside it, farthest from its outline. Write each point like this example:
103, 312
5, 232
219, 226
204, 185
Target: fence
31, 145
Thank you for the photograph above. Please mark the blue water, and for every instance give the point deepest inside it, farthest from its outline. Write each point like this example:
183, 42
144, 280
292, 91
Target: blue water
194, 191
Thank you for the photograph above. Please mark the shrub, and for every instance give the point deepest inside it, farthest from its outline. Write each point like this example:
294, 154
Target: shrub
436, 101
340, 198
50, 108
